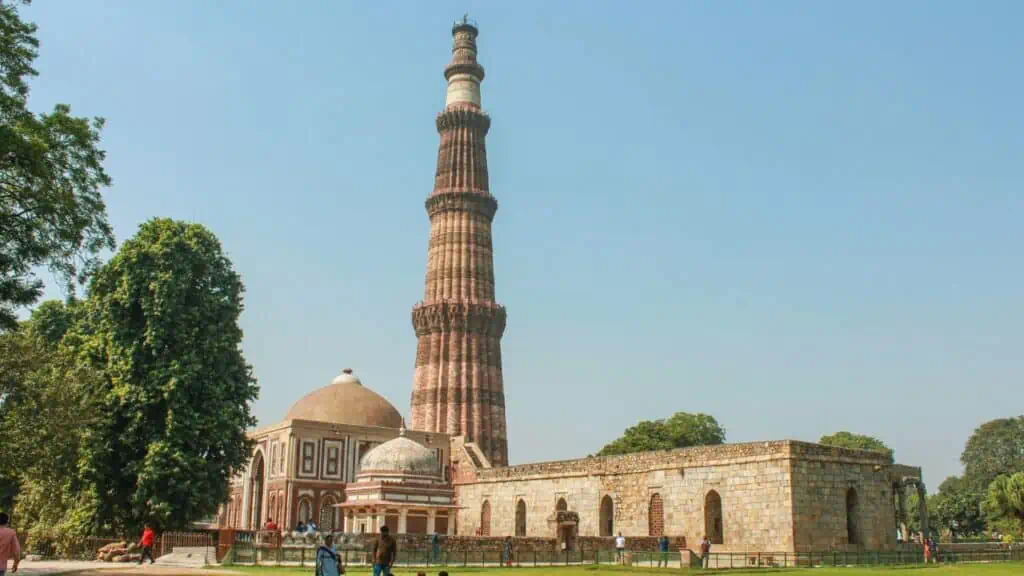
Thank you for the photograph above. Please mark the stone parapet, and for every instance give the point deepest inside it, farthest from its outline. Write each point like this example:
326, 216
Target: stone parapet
697, 456
487, 318
462, 201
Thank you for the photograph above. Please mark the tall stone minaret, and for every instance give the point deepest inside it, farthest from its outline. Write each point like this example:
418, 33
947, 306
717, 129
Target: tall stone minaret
457, 384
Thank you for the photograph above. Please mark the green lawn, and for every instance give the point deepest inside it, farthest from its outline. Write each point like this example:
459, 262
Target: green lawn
1002, 569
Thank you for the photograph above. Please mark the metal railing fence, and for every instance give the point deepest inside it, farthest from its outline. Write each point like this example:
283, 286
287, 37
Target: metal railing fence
248, 553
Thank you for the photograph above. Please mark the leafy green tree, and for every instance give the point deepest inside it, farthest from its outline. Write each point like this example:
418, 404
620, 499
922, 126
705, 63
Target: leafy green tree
856, 442
161, 322
681, 430
995, 448
44, 432
42, 421
1004, 504
957, 508
51, 173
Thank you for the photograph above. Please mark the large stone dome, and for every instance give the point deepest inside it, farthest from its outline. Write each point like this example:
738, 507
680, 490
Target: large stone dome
400, 456
346, 401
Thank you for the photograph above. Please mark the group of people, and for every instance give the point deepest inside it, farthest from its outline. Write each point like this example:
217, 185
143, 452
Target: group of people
931, 550
385, 551
308, 527
663, 548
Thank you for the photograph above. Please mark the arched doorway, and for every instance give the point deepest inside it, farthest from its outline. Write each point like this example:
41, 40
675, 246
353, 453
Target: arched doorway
272, 507
485, 519
713, 518
566, 524
256, 489
655, 516
328, 514
852, 513
305, 510
520, 519
607, 517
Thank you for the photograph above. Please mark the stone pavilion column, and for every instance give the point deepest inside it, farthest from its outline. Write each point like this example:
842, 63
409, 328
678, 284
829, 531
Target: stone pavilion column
431, 521
403, 517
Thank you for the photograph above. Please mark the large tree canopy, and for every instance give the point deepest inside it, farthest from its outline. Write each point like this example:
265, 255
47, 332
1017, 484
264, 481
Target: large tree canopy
42, 417
856, 442
1004, 503
161, 322
679, 431
957, 508
51, 173
995, 448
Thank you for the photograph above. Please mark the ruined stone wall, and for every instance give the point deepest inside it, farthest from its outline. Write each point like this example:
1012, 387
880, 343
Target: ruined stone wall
776, 496
821, 485
751, 479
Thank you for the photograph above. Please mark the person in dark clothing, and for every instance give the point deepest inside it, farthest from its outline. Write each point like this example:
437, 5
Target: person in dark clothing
435, 548
663, 550
705, 551
506, 552
385, 550
148, 537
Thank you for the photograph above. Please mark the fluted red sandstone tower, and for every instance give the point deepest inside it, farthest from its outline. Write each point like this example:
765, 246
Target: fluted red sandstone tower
457, 386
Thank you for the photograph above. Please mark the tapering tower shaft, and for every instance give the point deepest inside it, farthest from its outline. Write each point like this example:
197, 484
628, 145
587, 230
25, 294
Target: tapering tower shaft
457, 383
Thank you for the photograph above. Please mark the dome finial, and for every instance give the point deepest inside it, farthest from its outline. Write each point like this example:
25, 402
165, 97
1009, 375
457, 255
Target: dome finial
401, 431
346, 370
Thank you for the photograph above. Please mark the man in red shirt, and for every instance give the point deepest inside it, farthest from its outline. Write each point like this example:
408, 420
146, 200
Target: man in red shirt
148, 537
9, 547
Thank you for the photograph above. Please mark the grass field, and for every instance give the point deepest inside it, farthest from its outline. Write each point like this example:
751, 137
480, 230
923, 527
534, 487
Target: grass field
1002, 569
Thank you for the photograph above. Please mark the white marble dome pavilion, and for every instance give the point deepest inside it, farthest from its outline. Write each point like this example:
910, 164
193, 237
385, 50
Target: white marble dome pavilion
400, 458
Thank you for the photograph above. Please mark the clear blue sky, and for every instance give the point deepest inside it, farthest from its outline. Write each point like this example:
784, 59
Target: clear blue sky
800, 217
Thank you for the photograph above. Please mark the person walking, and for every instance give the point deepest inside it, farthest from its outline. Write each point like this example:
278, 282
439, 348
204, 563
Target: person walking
385, 550
435, 548
328, 563
9, 546
148, 537
506, 552
620, 547
705, 551
663, 549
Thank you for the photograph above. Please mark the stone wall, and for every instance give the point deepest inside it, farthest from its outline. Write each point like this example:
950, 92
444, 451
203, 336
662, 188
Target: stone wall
766, 506
821, 488
752, 482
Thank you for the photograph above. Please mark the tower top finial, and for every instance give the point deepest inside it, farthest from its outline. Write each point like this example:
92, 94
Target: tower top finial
464, 73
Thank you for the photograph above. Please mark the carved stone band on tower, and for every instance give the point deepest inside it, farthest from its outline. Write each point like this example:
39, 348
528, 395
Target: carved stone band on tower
457, 384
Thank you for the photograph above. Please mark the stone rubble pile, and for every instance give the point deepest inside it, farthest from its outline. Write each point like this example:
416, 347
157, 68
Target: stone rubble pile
119, 552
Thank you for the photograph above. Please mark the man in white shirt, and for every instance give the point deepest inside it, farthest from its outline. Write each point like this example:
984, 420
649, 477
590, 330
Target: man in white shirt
620, 546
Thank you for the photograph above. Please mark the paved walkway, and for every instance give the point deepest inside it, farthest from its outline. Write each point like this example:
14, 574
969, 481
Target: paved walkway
53, 567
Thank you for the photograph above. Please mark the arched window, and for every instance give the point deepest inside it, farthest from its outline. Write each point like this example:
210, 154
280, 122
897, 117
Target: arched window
305, 510
256, 505
561, 505
520, 519
713, 518
655, 516
607, 527
328, 514
852, 512
485, 519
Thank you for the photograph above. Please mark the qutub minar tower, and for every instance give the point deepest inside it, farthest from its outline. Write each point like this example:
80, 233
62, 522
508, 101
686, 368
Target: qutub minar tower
457, 384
